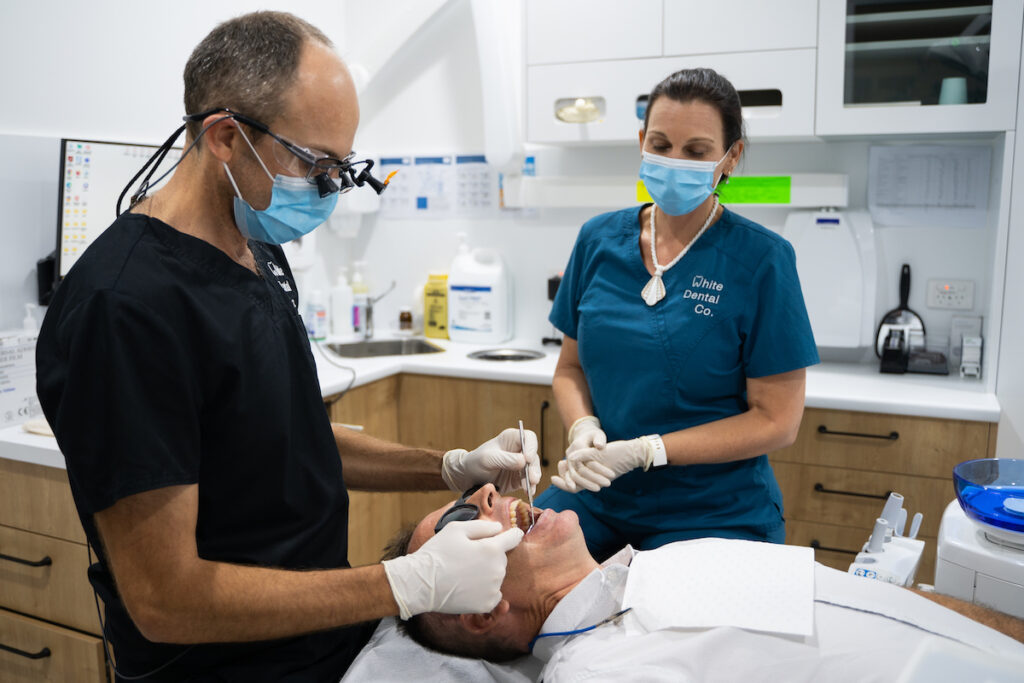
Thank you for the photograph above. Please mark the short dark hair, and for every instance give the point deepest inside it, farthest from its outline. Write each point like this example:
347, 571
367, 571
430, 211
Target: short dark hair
247, 64
441, 632
704, 85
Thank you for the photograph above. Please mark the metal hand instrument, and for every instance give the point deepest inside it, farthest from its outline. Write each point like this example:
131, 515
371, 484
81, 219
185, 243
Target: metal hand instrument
526, 473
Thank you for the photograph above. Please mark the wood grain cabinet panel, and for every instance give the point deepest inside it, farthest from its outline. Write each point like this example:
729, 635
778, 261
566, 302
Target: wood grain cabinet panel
836, 476
439, 413
836, 546
56, 591
62, 655
38, 499
372, 517
922, 446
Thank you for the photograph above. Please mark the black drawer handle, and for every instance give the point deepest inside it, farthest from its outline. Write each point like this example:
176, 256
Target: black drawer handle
42, 654
818, 546
891, 436
45, 562
820, 488
544, 405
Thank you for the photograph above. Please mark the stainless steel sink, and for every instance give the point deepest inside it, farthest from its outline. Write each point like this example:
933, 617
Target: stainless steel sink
384, 347
506, 354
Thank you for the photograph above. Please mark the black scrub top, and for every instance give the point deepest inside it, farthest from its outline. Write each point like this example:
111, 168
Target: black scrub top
162, 362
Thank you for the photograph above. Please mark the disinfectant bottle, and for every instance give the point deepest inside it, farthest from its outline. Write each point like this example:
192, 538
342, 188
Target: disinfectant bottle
479, 296
341, 307
360, 298
435, 306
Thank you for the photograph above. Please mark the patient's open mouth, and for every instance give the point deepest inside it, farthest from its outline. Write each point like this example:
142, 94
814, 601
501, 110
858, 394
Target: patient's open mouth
519, 514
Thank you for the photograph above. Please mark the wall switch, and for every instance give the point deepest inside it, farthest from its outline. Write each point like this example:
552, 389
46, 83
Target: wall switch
955, 294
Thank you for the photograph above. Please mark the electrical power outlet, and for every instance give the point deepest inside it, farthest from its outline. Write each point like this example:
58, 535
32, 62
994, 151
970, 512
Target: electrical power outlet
954, 294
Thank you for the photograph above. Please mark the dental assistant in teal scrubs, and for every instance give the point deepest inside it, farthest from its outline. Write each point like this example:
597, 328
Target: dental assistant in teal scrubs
686, 343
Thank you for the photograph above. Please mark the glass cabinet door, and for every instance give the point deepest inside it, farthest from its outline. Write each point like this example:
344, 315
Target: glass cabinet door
928, 52
905, 66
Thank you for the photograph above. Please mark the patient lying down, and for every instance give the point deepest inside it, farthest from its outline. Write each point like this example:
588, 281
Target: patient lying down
553, 585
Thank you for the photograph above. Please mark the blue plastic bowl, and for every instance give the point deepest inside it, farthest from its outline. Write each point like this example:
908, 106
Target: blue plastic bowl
991, 491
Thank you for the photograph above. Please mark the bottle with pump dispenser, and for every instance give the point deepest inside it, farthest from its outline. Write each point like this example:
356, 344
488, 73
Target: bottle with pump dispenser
360, 298
341, 307
479, 296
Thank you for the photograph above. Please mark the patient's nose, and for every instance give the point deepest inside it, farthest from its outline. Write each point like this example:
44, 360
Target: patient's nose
485, 499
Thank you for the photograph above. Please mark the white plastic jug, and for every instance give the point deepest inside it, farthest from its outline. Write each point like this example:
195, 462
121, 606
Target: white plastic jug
479, 297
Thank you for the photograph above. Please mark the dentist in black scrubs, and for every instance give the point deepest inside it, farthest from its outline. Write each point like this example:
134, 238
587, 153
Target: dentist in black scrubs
176, 373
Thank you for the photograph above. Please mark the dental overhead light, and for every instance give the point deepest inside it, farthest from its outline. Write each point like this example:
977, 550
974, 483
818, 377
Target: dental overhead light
579, 109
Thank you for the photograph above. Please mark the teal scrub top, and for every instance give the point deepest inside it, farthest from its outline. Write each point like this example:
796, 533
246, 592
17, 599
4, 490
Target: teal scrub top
733, 309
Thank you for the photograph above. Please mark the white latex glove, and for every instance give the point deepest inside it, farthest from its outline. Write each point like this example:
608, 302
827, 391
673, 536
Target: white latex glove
499, 461
586, 432
457, 571
595, 468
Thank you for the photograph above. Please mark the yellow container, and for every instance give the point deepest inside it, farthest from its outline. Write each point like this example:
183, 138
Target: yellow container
435, 306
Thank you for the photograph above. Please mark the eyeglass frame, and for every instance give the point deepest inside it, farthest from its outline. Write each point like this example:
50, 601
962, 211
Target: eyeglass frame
460, 504
325, 184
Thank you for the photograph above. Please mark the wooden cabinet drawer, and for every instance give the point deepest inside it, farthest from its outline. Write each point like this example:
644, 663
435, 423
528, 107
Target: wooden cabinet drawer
38, 499
58, 591
836, 546
72, 656
836, 495
924, 446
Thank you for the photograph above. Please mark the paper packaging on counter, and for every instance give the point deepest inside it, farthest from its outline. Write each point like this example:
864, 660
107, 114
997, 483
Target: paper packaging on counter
18, 401
746, 584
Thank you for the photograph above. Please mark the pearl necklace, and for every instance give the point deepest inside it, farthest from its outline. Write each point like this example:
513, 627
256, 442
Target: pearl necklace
654, 290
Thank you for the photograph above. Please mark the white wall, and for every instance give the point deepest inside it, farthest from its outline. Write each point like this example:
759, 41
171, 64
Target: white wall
1010, 382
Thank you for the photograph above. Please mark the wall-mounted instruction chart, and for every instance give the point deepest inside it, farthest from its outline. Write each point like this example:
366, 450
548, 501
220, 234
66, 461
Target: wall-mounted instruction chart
441, 186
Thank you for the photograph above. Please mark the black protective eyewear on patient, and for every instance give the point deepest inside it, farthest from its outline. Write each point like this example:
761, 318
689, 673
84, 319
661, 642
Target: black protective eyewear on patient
461, 511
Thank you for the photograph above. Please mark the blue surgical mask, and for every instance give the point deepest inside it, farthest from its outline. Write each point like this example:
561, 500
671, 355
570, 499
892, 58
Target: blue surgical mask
296, 208
678, 186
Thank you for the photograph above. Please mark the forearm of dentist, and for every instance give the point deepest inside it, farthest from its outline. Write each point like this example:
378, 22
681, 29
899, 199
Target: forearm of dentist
771, 422
173, 595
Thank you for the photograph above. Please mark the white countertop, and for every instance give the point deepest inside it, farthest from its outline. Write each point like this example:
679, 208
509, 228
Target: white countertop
839, 386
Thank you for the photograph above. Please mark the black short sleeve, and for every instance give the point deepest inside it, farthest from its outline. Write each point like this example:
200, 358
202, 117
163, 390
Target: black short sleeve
126, 419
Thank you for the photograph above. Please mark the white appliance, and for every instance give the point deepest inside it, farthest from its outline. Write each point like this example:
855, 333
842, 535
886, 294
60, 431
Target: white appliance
836, 262
978, 565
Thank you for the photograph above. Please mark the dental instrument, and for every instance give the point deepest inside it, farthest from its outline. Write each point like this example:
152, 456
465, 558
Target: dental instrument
526, 475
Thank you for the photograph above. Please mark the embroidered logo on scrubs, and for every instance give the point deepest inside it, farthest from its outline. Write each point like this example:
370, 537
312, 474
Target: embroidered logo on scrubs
707, 293
278, 272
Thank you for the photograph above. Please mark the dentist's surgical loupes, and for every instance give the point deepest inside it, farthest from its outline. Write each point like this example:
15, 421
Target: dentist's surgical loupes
526, 474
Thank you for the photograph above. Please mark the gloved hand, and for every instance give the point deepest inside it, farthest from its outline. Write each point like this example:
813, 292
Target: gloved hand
595, 468
499, 461
586, 432
457, 571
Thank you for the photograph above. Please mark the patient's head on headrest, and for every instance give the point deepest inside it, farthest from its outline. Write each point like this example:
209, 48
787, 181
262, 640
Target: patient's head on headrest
445, 633
551, 559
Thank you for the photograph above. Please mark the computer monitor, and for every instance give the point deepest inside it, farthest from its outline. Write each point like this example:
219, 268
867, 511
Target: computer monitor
92, 175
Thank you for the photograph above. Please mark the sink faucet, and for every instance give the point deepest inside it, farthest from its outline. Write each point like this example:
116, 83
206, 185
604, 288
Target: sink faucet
370, 301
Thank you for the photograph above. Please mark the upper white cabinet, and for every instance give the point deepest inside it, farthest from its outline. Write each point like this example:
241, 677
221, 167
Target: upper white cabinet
588, 62
698, 27
927, 67
561, 31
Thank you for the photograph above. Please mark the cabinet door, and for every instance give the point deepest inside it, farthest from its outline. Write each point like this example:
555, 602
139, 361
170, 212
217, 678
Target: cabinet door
695, 27
445, 413
45, 652
559, 31
776, 88
373, 517
930, 69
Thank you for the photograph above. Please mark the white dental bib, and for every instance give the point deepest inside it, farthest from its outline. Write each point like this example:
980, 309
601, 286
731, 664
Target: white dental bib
712, 582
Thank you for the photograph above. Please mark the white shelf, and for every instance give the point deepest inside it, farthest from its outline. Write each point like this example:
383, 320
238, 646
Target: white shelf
808, 190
